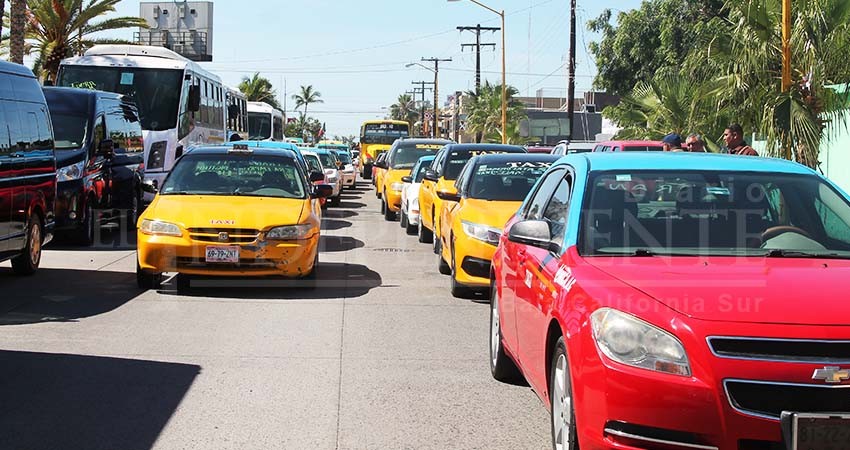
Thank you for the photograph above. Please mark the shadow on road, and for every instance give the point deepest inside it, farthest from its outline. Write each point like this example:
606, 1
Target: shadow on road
335, 280
87, 402
351, 205
104, 240
62, 295
333, 224
339, 214
331, 244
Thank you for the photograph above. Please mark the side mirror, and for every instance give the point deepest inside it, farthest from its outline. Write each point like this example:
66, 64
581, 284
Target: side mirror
194, 98
106, 148
407, 179
382, 164
149, 186
531, 232
316, 176
322, 191
448, 196
430, 175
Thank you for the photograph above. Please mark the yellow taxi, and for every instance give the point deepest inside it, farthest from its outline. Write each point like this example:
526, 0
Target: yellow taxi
489, 190
399, 161
441, 177
232, 211
378, 172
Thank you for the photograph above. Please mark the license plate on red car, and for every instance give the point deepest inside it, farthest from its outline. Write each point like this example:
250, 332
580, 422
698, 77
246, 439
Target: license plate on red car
222, 254
820, 431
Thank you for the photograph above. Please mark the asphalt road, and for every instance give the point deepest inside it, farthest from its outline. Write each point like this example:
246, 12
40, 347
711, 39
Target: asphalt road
380, 356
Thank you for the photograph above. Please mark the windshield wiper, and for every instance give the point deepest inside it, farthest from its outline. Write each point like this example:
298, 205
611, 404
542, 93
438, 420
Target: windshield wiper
780, 253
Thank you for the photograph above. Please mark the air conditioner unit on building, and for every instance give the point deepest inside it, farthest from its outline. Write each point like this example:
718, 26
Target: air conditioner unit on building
590, 108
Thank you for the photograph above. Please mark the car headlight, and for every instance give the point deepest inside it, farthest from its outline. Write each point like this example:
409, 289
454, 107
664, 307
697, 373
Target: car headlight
397, 187
160, 228
290, 232
70, 173
633, 342
481, 232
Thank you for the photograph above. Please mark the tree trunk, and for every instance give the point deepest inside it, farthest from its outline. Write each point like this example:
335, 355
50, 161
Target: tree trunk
2, 13
17, 13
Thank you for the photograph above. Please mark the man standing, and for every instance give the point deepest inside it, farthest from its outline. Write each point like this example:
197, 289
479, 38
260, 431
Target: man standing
672, 143
734, 137
694, 144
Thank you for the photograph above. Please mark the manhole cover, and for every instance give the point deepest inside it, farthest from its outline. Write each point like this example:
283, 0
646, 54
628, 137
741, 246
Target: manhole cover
392, 250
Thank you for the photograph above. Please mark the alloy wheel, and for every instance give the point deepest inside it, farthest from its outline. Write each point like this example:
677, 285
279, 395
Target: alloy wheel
562, 406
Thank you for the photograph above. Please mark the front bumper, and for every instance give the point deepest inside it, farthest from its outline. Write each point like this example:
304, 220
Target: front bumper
393, 199
620, 407
258, 258
70, 204
472, 261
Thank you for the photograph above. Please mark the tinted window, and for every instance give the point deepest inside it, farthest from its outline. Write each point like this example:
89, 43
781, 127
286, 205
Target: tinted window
123, 127
405, 155
259, 126
313, 163
257, 176
19, 137
327, 160
537, 205
344, 157
557, 211
420, 174
26, 89
725, 213
278, 129
505, 181
70, 130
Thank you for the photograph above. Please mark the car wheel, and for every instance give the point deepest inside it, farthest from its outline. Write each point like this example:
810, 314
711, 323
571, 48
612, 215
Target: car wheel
87, 228
436, 242
502, 367
458, 290
425, 235
442, 265
389, 215
564, 435
383, 208
411, 229
147, 280
27, 262
403, 221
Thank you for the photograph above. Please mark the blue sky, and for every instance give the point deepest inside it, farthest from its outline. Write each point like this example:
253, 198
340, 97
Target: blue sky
354, 52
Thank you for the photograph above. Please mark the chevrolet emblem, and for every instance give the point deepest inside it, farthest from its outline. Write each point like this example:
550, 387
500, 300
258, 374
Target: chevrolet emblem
831, 374
223, 237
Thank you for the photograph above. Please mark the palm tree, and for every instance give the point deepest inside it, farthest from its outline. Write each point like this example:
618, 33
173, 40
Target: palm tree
57, 28
404, 109
2, 14
307, 97
259, 89
485, 112
17, 19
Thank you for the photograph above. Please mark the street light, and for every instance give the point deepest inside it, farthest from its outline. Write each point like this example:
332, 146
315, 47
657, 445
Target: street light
420, 65
504, 81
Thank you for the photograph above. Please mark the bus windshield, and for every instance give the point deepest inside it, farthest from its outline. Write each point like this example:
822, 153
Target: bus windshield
259, 126
383, 133
155, 91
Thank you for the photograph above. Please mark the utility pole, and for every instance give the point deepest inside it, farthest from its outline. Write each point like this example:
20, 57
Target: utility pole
421, 89
571, 87
786, 64
436, 62
478, 29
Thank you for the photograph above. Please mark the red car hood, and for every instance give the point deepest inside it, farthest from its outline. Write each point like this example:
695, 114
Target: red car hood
754, 290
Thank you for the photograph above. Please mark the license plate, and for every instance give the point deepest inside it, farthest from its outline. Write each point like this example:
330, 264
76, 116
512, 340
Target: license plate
223, 254
820, 431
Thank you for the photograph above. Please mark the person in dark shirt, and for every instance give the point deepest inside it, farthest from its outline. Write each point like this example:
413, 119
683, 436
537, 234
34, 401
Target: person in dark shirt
734, 138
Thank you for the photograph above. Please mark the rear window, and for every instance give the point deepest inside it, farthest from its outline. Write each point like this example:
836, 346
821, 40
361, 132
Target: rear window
505, 181
406, 155
642, 148
456, 159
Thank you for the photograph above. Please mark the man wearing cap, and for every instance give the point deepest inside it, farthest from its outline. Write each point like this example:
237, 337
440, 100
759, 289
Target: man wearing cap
672, 143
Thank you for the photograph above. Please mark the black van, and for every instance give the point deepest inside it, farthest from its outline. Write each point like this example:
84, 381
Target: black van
99, 160
27, 169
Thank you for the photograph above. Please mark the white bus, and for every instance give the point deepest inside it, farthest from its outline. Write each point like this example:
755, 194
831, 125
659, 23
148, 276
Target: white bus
180, 104
237, 114
265, 123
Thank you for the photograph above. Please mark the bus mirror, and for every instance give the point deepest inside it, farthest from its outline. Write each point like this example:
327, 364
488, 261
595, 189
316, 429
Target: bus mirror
194, 98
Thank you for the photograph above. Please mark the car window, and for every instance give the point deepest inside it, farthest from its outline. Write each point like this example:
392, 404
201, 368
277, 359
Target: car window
405, 155
313, 163
557, 211
536, 206
420, 172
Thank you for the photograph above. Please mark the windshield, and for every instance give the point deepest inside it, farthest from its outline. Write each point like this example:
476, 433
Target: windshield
383, 133
69, 130
717, 213
242, 175
406, 155
259, 126
458, 158
155, 91
505, 181
313, 163
327, 160
344, 157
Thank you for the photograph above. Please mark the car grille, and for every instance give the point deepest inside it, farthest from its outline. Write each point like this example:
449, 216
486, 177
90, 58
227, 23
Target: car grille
784, 350
243, 264
767, 399
234, 235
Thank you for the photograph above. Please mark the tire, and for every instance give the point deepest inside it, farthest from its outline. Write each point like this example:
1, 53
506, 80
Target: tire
437, 241
147, 280
562, 413
403, 220
502, 367
411, 230
85, 234
458, 290
425, 235
389, 215
383, 208
27, 262
442, 265
183, 283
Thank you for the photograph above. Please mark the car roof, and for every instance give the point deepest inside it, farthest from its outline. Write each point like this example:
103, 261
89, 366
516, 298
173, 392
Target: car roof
16, 69
681, 161
485, 147
424, 141
60, 92
224, 149
630, 142
496, 158
267, 144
